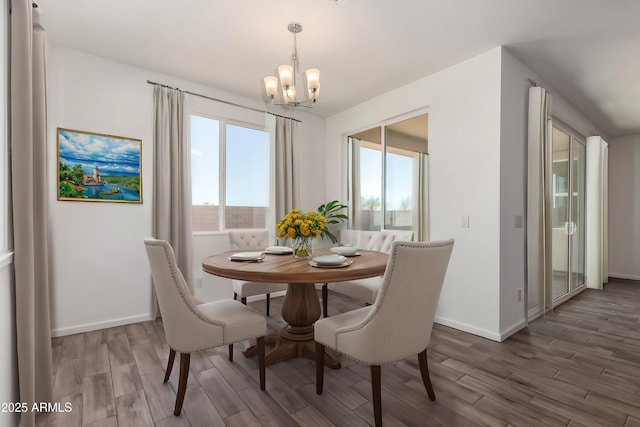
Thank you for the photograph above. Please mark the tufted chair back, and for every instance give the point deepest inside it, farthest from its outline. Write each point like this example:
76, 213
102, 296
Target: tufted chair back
179, 312
252, 240
374, 240
248, 240
399, 322
189, 326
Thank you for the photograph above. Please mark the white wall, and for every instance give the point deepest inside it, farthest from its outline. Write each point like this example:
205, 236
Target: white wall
513, 180
513, 184
624, 207
100, 270
463, 103
477, 156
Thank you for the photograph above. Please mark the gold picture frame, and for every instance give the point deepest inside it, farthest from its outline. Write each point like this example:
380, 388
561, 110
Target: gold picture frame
95, 167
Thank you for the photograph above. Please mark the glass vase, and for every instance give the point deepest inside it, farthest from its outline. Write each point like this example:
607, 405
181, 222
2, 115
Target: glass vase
301, 247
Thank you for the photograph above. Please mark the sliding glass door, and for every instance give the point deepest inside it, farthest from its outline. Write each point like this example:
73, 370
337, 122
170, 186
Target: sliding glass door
578, 255
387, 177
568, 213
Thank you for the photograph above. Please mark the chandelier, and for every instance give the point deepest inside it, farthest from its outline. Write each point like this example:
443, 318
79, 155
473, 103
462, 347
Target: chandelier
288, 75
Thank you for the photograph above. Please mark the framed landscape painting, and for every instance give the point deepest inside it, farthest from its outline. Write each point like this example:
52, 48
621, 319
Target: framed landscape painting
99, 168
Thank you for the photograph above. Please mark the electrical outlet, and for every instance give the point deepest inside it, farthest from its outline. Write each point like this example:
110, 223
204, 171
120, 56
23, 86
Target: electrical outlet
465, 221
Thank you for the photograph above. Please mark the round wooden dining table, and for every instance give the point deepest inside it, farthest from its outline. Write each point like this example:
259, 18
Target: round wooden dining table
301, 306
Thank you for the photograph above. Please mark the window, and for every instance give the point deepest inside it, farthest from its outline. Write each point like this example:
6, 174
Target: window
230, 175
387, 169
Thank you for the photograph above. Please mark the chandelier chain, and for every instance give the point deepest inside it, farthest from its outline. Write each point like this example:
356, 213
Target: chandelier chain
295, 63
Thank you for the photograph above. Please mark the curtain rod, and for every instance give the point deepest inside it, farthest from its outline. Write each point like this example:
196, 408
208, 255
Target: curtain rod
222, 100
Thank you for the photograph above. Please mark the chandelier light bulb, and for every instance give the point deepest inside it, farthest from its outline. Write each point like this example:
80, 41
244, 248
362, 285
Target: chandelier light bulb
286, 75
313, 78
271, 86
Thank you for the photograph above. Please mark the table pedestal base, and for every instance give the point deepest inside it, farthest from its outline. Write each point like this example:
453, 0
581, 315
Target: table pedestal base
300, 309
286, 349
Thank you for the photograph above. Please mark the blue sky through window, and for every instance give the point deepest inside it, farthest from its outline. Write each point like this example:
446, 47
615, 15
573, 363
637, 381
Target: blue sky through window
399, 176
247, 167
247, 164
205, 160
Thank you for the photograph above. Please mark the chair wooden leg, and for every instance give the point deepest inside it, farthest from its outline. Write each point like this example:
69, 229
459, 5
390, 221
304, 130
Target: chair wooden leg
261, 362
230, 352
376, 394
185, 358
424, 370
319, 367
325, 302
172, 357
268, 301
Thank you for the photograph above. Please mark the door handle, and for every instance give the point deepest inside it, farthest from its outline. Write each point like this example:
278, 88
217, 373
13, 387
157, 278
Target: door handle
570, 228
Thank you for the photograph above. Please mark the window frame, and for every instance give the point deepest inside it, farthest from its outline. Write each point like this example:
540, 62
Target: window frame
222, 166
419, 225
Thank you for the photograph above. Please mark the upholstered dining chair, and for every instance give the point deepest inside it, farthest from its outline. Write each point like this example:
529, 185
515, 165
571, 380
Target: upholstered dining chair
363, 289
252, 240
399, 322
191, 327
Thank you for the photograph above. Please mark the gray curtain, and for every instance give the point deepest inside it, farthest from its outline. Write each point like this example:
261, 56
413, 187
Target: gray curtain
287, 176
355, 208
539, 199
597, 242
422, 198
29, 203
172, 175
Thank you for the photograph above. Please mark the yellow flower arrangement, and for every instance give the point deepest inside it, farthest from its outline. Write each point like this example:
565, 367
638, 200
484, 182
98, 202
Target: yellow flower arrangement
302, 227
301, 224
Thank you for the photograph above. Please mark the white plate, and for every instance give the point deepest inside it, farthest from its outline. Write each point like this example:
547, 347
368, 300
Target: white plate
345, 250
278, 250
344, 264
247, 256
329, 259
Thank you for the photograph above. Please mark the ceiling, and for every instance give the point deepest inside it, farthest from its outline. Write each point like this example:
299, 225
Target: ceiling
587, 50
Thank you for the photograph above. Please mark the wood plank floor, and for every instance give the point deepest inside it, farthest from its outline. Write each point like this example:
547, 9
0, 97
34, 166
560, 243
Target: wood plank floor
578, 367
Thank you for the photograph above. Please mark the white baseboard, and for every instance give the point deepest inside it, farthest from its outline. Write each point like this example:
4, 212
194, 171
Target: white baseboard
624, 276
512, 330
87, 327
468, 328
